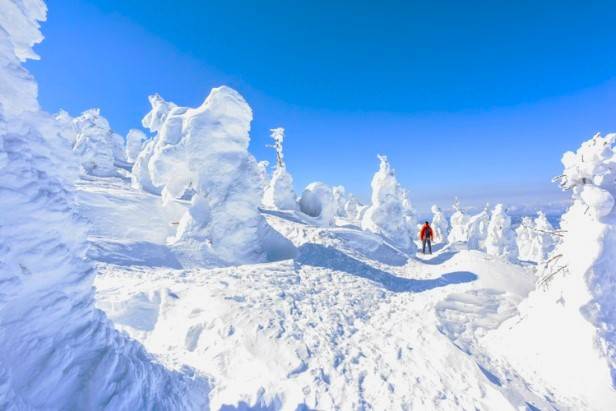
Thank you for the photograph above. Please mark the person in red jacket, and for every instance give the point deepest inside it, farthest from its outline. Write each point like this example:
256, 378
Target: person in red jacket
426, 235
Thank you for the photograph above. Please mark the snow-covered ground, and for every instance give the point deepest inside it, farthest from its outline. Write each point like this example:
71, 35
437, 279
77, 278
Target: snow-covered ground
348, 324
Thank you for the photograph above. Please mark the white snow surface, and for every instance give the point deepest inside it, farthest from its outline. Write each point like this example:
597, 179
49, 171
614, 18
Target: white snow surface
389, 214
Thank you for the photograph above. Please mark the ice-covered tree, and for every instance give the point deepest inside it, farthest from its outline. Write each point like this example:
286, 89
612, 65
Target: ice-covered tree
135, 139
500, 240
205, 150
524, 235
279, 192
410, 216
57, 351
440, 225
386, 214
459, 224
94, 144
573, 311
544, 238
477, 229
352, 208
318, 201
341, 198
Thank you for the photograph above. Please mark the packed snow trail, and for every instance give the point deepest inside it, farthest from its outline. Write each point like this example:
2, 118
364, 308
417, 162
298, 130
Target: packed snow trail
347, 324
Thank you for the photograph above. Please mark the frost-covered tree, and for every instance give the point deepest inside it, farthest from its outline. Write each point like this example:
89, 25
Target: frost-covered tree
410, 216
459, 224
500, 240
477, 229
57, 351
279, 192
573, 311
386, 214
544, 238
318, 201
440, 225
524, 235
352, 208
94, 144
135, 139
341, 198
205, 150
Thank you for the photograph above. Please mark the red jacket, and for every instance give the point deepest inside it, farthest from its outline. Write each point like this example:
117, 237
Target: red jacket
426, 233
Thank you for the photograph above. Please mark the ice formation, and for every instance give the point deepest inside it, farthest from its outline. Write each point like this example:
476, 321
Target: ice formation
56, 349
386, 215
317, 201
205, 150
440, 225
500, 240
459, 225
572, 315
279, 192
341, 198
477, 229
410, 216
135, 140
535, 238
95, 143
352, 208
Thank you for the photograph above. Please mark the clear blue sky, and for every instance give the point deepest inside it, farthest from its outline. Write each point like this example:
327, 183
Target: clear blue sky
477, 99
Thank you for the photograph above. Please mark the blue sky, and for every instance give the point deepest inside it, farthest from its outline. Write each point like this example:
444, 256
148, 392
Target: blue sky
474, 99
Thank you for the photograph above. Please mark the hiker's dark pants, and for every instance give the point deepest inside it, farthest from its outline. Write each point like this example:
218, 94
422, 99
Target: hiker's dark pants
429, 242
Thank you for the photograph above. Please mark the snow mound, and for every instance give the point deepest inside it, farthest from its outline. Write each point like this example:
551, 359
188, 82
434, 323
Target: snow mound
387, 214
56, 349
318, 201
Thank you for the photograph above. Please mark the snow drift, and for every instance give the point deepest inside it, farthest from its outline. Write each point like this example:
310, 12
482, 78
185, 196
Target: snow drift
56, 349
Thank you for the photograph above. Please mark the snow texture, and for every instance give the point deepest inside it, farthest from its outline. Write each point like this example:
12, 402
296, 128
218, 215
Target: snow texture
95, 144
318, 201
477, 229
387, 214
279, 192
135, 140
56, 350
459, 225
500, 239
440, 225
205, 150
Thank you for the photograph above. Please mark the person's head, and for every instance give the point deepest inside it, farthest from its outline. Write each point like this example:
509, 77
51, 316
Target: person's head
427, 223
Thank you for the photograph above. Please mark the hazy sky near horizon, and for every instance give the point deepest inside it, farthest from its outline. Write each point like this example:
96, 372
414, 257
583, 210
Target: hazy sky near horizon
471, 99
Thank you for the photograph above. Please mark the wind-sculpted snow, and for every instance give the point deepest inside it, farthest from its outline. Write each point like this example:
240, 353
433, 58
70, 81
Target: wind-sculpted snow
95, 144
572, 314
318, 201
135, 140
279, 192
387, 214
500, 238
440, 225
205, 150
56, 350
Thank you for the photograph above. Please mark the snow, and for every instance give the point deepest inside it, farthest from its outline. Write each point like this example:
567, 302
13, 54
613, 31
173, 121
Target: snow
135, 140
459, 225
279, 192
56, 350
172, 289
318, 201
440, 225
477, 230
388, 215
95, 144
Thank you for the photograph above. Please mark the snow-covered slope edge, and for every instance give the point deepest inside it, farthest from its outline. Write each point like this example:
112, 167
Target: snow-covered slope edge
563, 341
56, 350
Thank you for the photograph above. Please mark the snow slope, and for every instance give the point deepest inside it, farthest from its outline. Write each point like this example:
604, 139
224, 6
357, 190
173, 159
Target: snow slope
350, 323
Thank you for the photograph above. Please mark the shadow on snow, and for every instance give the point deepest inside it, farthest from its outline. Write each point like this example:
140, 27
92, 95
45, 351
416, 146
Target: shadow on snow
326, 257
